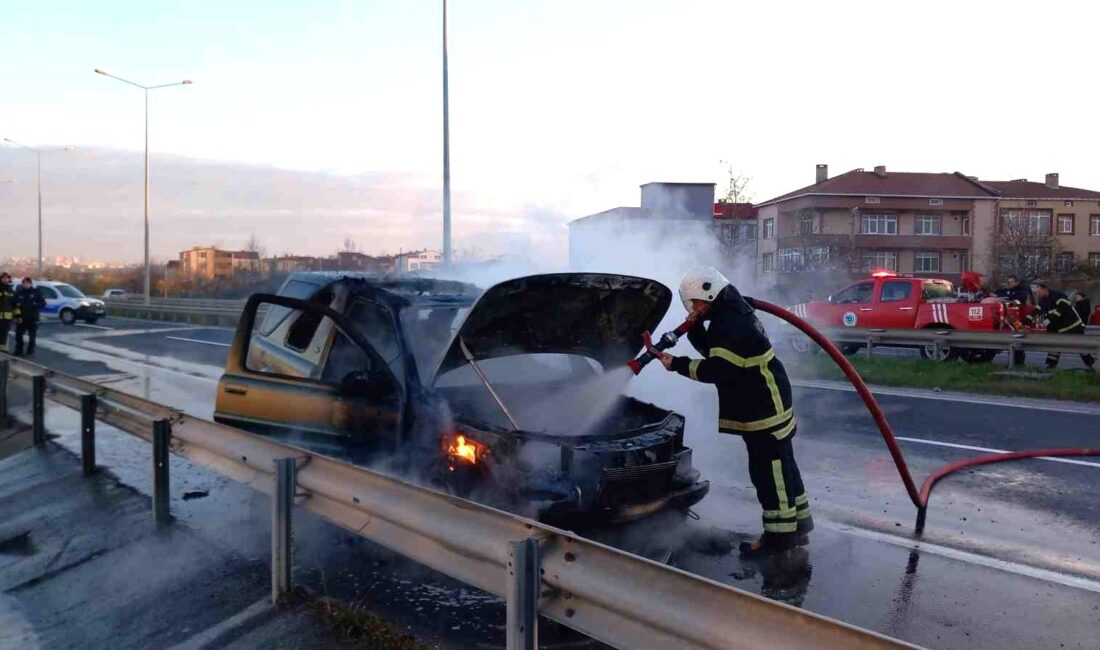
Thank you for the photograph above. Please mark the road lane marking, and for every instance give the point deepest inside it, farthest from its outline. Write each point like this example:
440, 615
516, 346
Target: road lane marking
1053, 459
210, 636
98, 327
1047, 575
965, 398
66, 348
180, 338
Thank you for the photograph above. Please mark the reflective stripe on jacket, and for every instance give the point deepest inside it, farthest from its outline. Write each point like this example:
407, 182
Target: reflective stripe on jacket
9, 310
754, 393
1062, 317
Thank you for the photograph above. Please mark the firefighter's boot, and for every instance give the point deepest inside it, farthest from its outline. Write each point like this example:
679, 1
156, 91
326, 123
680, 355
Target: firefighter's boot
772, 543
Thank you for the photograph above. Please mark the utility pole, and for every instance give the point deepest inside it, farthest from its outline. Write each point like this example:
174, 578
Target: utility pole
446, 153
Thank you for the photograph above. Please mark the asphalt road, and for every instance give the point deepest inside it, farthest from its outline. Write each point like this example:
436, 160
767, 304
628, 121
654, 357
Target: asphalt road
1010, 557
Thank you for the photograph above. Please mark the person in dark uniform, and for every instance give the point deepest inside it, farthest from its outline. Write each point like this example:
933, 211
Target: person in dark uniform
1014, 290
1082, 306
754, 397
31, 303
9, 311
1062, 318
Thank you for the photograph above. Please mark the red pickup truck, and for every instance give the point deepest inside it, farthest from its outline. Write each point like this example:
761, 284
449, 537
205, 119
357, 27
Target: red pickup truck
890, 301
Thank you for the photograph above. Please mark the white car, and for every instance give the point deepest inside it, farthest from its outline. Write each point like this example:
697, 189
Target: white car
66, 302
114, 293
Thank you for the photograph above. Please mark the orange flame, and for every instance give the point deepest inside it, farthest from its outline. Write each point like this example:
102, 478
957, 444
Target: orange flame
466, 450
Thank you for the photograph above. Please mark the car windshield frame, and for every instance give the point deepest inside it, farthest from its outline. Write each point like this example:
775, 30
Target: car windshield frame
64, 291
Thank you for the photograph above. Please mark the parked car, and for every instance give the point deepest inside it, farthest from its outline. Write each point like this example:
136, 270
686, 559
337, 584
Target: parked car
66, 302
489, 397
114, 293
888, 300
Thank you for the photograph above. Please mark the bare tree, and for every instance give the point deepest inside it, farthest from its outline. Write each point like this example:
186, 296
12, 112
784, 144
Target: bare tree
737, 234
1024, 245
737, 185
254, 245
349, 245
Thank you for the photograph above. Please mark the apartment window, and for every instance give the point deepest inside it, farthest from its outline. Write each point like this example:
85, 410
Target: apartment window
1065, 263
818, 255
966, 226
1026, 222
767, 262
806, 224
790, 259
769, 228
1065, 224
1094, 225
872, 223
871, 199
876, 260
202, 255
928, 224
926, 263
964, 262
1094, 260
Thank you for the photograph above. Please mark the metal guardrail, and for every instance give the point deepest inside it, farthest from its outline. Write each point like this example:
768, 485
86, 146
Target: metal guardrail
179, 302
999, 341
179, 313
612, 596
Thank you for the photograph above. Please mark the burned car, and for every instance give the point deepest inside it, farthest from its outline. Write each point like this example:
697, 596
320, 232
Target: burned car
512, 397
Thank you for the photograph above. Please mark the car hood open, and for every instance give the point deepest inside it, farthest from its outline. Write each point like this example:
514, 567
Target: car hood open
597, 315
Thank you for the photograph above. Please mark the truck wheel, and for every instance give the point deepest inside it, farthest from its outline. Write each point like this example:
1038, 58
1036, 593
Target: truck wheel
68, 316
803, 345
946, 353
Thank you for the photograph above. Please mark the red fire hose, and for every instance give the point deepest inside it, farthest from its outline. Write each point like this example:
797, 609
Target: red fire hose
920, 499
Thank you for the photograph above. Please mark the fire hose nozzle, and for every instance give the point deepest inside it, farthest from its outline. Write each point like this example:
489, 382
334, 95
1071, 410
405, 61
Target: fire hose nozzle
653, 350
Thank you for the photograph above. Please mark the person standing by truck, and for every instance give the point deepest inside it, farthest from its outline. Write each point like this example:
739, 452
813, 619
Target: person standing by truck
9, 310
31, 303
1062, 318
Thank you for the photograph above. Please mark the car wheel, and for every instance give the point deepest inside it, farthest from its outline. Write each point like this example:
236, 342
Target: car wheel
802, 345
68, 316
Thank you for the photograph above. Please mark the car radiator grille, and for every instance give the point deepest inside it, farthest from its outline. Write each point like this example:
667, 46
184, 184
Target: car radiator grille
626, 484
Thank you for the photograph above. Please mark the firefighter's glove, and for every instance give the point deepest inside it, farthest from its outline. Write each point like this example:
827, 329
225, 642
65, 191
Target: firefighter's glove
666, 360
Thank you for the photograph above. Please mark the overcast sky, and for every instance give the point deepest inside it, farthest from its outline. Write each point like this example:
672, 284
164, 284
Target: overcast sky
558, 109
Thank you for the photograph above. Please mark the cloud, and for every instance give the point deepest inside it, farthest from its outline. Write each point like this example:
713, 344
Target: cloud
92, 208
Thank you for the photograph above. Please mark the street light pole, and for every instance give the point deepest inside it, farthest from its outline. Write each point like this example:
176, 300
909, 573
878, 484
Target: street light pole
185, 82
38, 182
446, 153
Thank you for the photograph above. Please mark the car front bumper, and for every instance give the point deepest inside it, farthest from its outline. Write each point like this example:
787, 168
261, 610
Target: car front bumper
569, 516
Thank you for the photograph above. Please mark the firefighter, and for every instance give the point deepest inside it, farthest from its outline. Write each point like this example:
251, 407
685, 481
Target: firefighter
1062, 318
9, 310
31, 303
754, 397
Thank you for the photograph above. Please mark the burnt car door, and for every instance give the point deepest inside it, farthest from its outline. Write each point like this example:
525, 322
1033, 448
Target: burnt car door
299, 370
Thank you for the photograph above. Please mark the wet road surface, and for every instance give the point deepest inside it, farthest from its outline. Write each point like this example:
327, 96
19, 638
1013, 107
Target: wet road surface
1009, 559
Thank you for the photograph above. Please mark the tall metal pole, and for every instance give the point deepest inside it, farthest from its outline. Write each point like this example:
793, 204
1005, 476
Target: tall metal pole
39, 180
446, 153
147, 196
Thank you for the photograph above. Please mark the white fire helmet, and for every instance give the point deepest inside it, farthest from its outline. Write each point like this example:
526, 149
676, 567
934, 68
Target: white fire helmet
701, 283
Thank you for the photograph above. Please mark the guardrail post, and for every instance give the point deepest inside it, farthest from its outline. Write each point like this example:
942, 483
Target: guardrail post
282, 532
523, 595
4, 366
87, 433
38, 409
870, 346
162, 435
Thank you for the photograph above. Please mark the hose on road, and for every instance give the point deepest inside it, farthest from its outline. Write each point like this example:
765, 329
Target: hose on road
920, 498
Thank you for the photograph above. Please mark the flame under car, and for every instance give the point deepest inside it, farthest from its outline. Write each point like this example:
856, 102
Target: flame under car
510, 397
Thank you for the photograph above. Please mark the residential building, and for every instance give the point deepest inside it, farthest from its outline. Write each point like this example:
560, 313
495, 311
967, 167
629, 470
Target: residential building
933, 224
417, 261
735, 223
288, 264
675, 207
245, 262
354, 261
207, 262
1066, 217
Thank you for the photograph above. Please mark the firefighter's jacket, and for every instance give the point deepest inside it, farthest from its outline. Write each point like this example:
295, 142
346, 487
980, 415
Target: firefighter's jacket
30, 304
1060, 313
754, 394
9, 309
